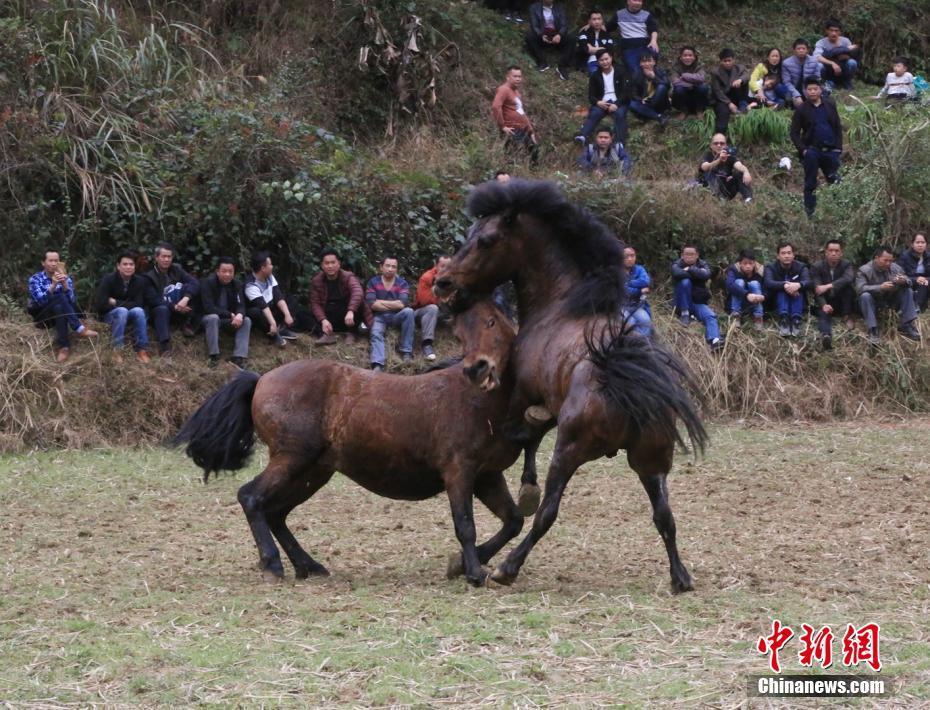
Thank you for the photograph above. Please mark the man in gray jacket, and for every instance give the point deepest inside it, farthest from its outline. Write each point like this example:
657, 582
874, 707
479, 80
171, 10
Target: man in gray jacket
883, 284
797, 68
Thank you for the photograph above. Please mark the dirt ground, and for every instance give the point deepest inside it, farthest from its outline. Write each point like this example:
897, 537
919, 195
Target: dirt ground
127, 581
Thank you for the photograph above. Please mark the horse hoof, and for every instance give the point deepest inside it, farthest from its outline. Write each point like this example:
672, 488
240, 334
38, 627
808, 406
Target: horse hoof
500, 577
455, 567
680, 586
481, 580
536, 415
528, 499
304, 572
272, 577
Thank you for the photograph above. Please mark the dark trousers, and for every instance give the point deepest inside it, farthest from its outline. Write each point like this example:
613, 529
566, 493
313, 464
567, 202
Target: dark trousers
257, 315
728, 187
740, 97
57, 313
521, 139
691, 99
842, 302
815, 159
596, 113
652, 107
536, 49
335, 312
921, 294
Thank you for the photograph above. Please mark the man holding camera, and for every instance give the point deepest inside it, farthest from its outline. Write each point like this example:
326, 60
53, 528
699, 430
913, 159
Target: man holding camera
723, 173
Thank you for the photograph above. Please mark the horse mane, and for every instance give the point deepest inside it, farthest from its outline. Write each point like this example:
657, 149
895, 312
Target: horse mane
582, 238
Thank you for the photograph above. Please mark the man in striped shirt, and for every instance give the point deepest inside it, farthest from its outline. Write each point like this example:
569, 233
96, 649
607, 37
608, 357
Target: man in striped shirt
388, 296
638, 31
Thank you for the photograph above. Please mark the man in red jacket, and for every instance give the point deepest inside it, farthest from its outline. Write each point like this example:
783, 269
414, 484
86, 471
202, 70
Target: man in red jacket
337, 301
426, 306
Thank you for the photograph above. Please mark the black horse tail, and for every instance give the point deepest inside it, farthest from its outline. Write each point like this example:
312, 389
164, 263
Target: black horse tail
221, 434
646, 382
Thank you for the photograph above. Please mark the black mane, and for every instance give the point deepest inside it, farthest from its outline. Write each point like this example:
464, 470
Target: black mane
582, 238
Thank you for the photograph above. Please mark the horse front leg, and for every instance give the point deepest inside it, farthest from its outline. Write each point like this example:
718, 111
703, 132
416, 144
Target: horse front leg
652, 464
463, 519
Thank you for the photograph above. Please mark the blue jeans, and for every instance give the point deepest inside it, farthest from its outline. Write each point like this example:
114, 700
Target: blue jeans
789, 306
739, 304
701, 311
655, 106
117, 318
596, 113
631, 58
402, 319
638, 317
815, 159
58, 311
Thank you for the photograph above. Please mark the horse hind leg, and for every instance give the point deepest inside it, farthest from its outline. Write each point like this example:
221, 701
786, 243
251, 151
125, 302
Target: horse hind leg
652, 465
304, 564
493, 492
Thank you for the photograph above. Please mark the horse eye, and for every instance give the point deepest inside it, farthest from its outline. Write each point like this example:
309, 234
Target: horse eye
490, 322
486, 240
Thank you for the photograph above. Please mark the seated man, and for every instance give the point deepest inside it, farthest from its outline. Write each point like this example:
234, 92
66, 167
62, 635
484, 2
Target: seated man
744, 288
223, 306
125, 296
883, 284
592, 37
916, 264
387, 296
608, 95
337, 301
549, 32
426, 306
836, 56
729, 84
178, 290
605, 159
649, 88
797, 69
690, 274
639, 31
786, 283
52, 301
723, 173
638, 284
265, 302
832, 279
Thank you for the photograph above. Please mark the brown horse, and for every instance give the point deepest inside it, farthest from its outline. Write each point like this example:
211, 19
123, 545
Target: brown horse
608, 389
403, 437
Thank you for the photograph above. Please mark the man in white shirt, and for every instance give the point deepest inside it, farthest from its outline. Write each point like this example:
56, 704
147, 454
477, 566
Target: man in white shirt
265, 302
608, 94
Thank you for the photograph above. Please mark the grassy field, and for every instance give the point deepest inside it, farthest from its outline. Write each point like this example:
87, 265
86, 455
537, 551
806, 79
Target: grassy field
126, 581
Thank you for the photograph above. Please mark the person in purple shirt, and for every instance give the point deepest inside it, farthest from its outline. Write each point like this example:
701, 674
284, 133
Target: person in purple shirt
388, 296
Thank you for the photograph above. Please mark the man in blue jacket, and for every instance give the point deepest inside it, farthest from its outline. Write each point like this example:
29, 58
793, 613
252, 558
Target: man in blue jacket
797, 69
786, 283
817, 134
744, 287
638, 284
605, 158
690, 274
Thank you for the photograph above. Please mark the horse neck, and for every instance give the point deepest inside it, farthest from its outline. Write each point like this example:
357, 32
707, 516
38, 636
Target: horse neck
542, 282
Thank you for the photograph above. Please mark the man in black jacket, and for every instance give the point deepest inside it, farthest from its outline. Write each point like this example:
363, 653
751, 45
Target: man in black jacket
549, 31
786, 282
592, 37
124, 296
224, 305
177, 290
916, 264
817, 133
832, 278
608, 95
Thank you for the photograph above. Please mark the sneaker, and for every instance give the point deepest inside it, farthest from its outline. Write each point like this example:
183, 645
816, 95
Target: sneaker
715, 344
428, 352
518, 18
543, 67
834, 179
826, 342
747, 201
909, 331
377, 367
579, 140
239, 362
685, 319
63, 354
279, 340
330, 339
187, 331
663, 120
287, 333
809, 211
795, 327
757, 324
561, 75
213, 361
350, 338
874, 337
784, 330
406, 357
143, 356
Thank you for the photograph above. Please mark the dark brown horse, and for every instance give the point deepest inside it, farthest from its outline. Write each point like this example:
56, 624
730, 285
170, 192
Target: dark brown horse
607, 388
403, 437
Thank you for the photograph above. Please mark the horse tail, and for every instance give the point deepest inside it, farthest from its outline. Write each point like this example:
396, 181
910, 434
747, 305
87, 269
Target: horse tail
646, 382
220, 435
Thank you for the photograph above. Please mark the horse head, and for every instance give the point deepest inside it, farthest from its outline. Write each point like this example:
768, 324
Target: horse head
487, 335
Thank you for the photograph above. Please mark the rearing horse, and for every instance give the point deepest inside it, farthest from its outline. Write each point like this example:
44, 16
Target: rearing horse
608, 389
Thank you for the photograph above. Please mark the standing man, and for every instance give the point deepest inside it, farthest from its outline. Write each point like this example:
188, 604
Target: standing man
729, 83
883, 284
832, 278
608, 95
836, 56
817, 133
426, 306
388, 295
52, 301
265, 302
639, 31
124, 296
510, 116
786, 283
178, 290
723, 173
224, 307
690, 275
797, 69
549, 32
337, 301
